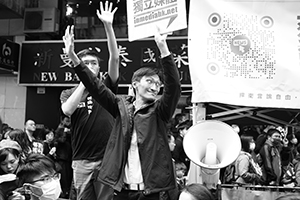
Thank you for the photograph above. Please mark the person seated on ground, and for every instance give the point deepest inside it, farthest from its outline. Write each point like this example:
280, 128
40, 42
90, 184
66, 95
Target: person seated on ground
38, 178
10, 159
195, 191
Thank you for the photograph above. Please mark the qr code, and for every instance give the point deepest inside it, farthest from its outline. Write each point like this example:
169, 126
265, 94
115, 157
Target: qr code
241, 45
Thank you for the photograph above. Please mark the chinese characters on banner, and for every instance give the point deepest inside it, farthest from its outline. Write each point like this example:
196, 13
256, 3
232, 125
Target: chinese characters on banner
143, 17
46, 64
245, 52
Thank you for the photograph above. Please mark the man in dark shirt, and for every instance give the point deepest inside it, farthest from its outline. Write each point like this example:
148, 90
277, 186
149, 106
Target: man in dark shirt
91, 123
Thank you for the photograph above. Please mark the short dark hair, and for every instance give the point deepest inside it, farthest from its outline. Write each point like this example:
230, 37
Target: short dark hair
198, 191
146, 71
89, 52
272, 131
35, 165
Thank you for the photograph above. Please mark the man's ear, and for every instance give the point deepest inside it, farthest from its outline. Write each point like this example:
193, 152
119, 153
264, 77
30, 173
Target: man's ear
134, 84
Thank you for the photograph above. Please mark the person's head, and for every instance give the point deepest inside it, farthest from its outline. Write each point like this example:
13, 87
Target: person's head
179, 117
292, 138
60, 136
171, 141
146, 83
30, 126
274, 136
6, 129
180, 169
268, 127
39, 173
91, 59
66, 121
183, 127
10, 156
21, 137
248, 144
47, 134
195, 191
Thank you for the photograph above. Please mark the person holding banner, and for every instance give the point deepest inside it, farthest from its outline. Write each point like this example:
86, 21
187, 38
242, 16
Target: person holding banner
91, 124
137, 162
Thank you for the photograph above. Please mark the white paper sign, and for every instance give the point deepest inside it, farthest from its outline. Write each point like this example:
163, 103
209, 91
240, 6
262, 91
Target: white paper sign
143, 17
245, 52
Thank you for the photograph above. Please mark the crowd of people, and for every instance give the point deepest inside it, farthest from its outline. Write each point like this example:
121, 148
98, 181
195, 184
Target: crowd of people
127, 147
269, 156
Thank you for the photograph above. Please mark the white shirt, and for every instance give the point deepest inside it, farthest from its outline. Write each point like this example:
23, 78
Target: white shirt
133, 170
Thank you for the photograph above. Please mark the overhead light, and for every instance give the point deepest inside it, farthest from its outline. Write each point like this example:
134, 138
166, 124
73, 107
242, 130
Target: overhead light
69, 10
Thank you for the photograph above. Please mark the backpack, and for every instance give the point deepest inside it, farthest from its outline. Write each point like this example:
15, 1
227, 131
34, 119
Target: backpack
289, 176
228, 177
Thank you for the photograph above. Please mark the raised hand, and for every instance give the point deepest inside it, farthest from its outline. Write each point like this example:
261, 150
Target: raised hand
106, 15
161, 43
68, 39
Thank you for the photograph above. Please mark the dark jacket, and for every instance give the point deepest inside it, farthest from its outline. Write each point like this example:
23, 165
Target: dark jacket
271, 162
151, 127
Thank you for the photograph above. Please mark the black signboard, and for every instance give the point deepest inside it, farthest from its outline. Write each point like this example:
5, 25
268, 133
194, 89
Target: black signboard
45, 64
9, 55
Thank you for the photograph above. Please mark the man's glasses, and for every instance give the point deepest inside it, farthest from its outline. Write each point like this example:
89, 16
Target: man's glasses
151, 82
47, 178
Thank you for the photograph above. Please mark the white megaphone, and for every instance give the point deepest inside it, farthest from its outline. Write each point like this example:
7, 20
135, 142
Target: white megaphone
211, 145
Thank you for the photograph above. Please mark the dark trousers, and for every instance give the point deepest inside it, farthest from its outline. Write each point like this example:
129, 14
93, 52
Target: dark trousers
135, 195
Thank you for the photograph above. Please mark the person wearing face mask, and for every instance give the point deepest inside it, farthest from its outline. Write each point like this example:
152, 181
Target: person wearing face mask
271, 158
247, 170
38, 179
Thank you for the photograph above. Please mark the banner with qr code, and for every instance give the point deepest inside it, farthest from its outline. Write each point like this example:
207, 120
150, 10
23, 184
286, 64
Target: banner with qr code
245, 52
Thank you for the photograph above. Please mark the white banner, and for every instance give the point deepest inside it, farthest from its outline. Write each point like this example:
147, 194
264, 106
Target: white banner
245, 52
144, 15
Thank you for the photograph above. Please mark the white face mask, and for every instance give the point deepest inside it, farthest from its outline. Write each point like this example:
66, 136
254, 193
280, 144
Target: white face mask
252, 146
51, 190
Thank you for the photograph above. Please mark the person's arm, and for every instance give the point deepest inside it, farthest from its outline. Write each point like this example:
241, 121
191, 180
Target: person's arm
70, 105
172, 87
94, 85
106, 15
243, 166
297, 173
267, 164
